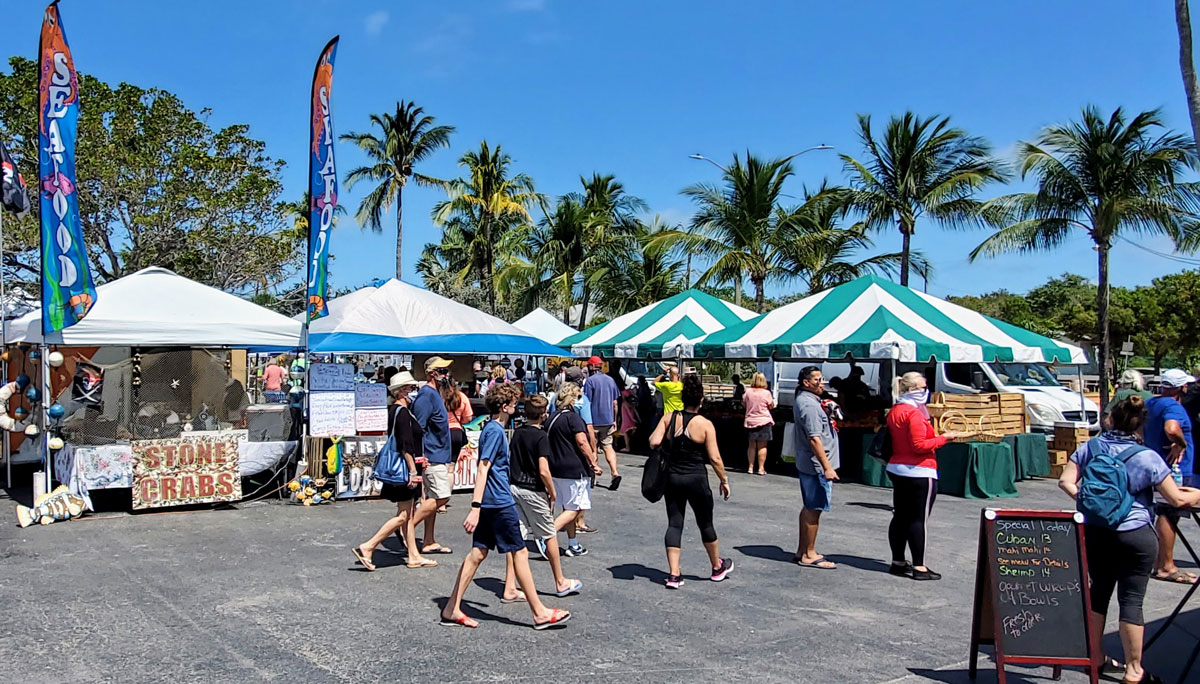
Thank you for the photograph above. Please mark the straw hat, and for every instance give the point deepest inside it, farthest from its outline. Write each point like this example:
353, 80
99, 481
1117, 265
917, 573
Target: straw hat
402, 379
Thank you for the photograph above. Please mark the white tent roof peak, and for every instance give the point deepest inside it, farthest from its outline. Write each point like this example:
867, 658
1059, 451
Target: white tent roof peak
545, 326
157, 307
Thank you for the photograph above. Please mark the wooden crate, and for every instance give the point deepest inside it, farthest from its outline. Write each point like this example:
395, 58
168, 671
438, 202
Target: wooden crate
1056, 471
1005, 412
1059, 456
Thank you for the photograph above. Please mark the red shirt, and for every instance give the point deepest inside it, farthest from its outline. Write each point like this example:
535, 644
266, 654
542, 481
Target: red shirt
273, 378
914, 442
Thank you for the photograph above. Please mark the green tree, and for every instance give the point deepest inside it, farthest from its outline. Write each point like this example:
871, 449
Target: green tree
611, 225
921, 167
484, 205
1104, 177
548, 260
403, 140
157, 186
650, 272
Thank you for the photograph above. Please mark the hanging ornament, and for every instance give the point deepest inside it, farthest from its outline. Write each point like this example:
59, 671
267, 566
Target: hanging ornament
32, 394
22, 381
56, 411
20, 413
31, 430
35, 354
56, 443
55, 359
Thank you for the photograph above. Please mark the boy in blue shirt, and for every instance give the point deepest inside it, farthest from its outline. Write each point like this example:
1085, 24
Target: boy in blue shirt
493, 521
1168, 431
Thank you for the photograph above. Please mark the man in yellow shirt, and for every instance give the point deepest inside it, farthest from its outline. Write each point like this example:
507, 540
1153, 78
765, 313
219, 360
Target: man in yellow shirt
671, 387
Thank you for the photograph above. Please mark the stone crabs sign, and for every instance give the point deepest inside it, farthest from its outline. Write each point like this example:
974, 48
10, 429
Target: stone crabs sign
186, 470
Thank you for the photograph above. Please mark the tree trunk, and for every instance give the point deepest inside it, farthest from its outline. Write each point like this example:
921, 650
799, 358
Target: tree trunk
491, 267
583, 307
1102, 321
759, 295
906, 238
567, 302
737, 295
1187, 67
399, 233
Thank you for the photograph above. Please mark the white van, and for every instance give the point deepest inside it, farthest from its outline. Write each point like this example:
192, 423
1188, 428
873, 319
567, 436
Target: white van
1046, 401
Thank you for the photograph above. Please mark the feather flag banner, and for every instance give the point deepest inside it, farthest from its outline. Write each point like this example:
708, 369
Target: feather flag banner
67, 288
322, 182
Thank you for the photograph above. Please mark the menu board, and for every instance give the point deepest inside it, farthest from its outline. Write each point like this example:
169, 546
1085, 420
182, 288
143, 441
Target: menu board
331, 413
370, 395
1031, 590
331, 377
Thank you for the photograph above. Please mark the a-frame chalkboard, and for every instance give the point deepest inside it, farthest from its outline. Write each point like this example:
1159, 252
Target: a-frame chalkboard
1031, 591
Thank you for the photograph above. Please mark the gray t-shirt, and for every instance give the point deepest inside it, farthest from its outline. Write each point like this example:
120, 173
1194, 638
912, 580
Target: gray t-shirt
811, 419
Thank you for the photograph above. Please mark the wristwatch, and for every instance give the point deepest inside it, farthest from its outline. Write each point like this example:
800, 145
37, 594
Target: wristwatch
476, 504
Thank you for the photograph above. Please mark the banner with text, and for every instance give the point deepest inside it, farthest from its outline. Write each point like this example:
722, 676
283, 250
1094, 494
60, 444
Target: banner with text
322, 182
186, 470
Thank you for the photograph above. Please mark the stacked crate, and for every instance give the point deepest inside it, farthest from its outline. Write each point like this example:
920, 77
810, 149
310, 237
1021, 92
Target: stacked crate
1067, 438
1005, 413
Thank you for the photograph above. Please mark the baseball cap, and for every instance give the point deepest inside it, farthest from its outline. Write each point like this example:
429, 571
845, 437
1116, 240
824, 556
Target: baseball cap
1174, 377
574, 374
595, 361
436, 362
401, 379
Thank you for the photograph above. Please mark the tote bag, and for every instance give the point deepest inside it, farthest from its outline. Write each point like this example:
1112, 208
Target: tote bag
654, 474
390, 465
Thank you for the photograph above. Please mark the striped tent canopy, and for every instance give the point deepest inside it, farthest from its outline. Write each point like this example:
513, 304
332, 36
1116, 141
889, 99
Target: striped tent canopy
658, 330
874, 318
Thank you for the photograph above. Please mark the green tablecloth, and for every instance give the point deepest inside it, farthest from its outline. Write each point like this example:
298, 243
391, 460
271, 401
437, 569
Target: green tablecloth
973, 470
1030, 455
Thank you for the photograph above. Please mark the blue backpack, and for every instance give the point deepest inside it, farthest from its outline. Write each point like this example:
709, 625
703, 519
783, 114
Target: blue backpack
1104, 497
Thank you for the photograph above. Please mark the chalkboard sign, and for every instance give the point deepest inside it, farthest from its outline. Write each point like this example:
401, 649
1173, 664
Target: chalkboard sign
331, 377
1031, 590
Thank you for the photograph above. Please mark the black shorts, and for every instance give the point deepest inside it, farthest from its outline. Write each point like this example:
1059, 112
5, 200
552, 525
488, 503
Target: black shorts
399, 493
458, 440
500, 529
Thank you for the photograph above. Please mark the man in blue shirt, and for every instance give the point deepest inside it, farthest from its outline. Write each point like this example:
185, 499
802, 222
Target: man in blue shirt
493, 521
601, 390
430, 411
1168, 430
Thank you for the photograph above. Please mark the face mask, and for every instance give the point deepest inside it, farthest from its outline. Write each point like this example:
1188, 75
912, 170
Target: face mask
412, 396
918, 396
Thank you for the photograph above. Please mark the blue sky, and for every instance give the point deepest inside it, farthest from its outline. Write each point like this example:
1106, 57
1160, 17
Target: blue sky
632, 88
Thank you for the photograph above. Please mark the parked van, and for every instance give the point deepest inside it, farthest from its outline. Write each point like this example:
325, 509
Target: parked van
1046, 401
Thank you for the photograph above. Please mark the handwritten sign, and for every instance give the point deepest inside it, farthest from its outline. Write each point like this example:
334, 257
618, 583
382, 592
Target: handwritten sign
331, 377
1031, 590
370, 395
370, 419
330, 414
186, 470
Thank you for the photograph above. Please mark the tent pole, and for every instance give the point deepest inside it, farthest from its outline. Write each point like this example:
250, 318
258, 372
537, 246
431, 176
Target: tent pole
4, 449
47, 465
1082, 398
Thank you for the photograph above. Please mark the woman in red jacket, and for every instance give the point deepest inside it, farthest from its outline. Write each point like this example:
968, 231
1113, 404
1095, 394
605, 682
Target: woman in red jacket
913, 471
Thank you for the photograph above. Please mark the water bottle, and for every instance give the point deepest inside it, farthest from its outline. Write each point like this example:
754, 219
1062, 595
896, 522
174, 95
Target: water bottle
1177, 475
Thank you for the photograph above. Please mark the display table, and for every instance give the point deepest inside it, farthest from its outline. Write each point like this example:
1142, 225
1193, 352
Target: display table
972, 470
1030, 455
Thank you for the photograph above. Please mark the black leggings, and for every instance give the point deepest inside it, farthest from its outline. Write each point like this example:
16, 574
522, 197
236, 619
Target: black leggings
1123, 560
912, 501
680, 491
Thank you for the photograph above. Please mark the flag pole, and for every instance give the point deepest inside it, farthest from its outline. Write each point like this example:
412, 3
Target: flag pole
4, 449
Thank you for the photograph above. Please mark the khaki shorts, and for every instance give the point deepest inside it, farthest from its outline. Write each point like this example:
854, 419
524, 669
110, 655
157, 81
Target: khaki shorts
604, 434
537, 520
439, 481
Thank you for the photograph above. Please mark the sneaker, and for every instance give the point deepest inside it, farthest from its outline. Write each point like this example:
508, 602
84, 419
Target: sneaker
541, 549
585, 529
674, 581
576, 550
904, 569
721, 572
925, 575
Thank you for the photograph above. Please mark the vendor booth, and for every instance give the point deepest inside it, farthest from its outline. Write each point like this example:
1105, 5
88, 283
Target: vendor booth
395, 318
148, 392
873, 320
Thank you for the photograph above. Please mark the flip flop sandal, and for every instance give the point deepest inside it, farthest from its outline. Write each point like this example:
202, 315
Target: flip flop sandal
439, 549
815, 564
362, 558
557, 618
519, 599
1112, 665
1177, 577
463, 621
575, 587
425, 563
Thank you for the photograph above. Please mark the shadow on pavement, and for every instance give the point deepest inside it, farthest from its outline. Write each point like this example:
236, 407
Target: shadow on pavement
631, 571
765, 552
872, 506
871, 564
987, 673
472, 609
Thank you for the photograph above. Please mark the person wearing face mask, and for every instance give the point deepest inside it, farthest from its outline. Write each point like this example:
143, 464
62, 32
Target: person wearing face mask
913, 471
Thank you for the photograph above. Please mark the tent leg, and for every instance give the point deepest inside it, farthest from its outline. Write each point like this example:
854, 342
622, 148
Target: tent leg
47, 464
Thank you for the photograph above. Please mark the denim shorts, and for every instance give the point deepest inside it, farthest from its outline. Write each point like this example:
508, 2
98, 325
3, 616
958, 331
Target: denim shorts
816, 491
500, 529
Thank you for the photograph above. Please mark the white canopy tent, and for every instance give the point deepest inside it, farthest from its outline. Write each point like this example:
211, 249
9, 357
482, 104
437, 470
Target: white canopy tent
545, 326
156, 307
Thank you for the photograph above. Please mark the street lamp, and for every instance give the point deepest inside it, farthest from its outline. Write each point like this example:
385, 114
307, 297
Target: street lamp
788, 158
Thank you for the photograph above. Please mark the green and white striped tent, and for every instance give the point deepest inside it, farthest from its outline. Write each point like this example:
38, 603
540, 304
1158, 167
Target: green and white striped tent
658, 330
874, 318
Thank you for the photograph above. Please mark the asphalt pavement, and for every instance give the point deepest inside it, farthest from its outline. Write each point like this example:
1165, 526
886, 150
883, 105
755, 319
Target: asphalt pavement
270, 592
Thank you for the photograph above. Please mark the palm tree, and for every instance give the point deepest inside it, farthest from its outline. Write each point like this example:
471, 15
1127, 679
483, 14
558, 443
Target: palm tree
1187, 67
921, 167
1105, 178
610, 219
736, 222
547, 261
487, 203
405, 138
633, 278
300, 211
814, 248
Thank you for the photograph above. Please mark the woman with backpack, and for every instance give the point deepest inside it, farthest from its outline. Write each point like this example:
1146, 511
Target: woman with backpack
1120, 541
913, 471
692, 447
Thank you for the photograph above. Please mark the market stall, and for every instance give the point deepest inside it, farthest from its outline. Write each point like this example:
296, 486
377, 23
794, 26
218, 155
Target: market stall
874, 320
395, 318
147, 390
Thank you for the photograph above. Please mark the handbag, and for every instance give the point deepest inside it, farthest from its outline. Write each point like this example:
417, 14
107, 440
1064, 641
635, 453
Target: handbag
654, 473
390, 465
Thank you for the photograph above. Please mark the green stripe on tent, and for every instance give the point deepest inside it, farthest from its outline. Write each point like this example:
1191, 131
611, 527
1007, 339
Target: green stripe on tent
878, 325
685, 327
655, 313
941, 321
821, 315
1051, 352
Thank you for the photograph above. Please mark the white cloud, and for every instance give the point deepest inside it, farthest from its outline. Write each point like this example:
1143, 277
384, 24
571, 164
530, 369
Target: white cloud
376, 21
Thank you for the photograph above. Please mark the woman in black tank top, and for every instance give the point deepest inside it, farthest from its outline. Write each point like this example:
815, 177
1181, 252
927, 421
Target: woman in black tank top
691, 444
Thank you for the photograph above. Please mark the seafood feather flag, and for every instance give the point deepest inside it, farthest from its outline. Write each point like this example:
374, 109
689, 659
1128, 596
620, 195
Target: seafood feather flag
67, 288
322, 182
